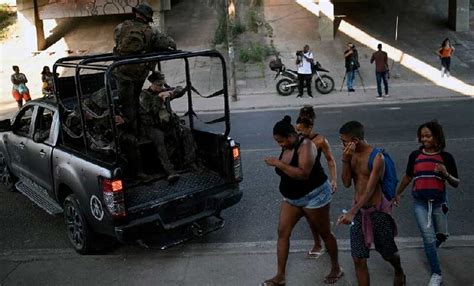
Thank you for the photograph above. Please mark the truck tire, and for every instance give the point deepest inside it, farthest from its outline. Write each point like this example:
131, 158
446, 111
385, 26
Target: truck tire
78, 231
6, 177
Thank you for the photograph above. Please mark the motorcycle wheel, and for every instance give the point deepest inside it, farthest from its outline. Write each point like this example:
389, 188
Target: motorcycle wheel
282, 87
325, 84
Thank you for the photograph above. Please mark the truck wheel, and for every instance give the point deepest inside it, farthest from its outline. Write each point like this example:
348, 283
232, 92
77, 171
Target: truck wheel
283, 88
7, 178
79, 233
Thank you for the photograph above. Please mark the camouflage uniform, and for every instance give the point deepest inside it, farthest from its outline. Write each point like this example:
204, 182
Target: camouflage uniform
130, 78
163, 127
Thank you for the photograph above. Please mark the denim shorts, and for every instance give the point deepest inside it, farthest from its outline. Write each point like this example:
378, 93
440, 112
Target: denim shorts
318, 198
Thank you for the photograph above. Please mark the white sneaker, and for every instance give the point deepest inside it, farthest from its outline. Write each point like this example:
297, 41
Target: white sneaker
379, 97
435, 280
386, 95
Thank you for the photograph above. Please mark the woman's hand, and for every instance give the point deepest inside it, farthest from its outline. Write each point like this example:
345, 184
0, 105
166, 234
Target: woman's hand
271, 161
440, 168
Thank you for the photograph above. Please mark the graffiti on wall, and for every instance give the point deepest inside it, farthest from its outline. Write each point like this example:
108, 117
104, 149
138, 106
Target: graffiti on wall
82, 8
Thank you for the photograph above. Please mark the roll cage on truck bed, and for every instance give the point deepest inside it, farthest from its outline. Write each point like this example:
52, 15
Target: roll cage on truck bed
88, 184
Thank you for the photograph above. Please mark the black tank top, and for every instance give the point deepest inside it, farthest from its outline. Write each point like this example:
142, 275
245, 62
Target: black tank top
294, 189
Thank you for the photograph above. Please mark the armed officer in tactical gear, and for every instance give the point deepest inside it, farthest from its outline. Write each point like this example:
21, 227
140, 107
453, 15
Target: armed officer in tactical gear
132, 37
163, 127
135, 37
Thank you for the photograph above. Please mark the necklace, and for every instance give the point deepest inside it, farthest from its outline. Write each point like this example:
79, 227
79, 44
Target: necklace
430, 153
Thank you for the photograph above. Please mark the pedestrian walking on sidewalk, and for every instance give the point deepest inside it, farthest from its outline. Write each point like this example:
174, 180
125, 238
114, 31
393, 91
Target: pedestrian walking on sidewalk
304, 61
445, 52
381, 70
304, 126
351, 57
306, 192
371, 214
430, 167
19, 91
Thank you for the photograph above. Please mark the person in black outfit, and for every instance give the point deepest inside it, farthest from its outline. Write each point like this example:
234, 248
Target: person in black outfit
306, 192
352, 64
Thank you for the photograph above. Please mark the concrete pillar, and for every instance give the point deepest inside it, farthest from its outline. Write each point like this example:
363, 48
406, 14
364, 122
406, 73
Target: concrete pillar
30, 25
326, 20
458, 15
159, 6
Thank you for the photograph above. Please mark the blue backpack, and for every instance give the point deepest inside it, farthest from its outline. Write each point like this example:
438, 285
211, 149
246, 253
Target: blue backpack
390, 180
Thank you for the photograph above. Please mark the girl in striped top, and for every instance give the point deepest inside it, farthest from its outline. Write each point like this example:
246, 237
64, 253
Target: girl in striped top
431, 168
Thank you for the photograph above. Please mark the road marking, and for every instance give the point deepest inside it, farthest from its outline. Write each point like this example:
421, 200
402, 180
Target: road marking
392, 108
239, 248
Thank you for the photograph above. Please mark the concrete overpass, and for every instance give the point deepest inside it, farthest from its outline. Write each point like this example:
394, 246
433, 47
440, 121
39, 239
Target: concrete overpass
34, 12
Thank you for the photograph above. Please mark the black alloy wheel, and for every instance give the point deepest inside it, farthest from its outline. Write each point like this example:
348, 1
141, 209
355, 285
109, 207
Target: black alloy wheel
78, 232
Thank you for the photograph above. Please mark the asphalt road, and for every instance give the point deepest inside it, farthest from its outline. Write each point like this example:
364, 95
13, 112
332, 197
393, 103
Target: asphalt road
25, 226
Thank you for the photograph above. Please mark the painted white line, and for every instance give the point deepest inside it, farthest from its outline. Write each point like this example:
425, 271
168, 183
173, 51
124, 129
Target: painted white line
239, 248
392, 108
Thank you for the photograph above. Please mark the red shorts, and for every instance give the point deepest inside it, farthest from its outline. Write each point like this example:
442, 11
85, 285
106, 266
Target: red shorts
17, 96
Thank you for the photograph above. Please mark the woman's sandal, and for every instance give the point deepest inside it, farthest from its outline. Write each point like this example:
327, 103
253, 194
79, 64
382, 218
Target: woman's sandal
333, 279
315, 254
271, 282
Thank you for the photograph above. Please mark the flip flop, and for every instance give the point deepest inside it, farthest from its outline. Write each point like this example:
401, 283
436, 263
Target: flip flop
271, 282
315, 254
333, 279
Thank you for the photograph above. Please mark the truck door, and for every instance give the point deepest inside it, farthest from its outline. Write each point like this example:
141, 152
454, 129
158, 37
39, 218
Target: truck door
19, 138
41, 147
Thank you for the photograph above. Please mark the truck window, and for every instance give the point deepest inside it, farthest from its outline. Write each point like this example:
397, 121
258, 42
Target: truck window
43, 124
23, 121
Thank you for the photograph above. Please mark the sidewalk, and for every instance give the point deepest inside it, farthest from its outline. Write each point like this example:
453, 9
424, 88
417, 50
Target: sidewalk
226, 264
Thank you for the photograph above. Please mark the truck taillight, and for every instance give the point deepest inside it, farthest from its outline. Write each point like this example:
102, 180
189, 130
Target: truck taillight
114, 197
237, 163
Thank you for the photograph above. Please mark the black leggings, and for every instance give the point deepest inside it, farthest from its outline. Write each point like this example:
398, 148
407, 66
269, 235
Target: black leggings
446, 63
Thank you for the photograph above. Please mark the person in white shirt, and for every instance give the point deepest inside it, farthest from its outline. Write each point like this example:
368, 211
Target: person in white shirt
304, 61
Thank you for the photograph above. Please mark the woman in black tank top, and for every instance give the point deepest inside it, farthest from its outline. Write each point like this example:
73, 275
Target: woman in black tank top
296, 167
304, 126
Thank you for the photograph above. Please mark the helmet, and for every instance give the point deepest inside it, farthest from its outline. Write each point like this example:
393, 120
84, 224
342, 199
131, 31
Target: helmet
157, 77
144, 10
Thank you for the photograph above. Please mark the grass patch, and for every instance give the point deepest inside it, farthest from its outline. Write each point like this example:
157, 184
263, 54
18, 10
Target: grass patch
256, 53
6, 14
220, 35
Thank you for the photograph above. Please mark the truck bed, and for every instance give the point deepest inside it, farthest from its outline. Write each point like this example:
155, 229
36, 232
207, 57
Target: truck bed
157, 192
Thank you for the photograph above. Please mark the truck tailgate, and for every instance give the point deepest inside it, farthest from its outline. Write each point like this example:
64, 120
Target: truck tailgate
157, 192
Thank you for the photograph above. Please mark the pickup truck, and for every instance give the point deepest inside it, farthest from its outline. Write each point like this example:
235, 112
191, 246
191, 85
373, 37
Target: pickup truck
45, 158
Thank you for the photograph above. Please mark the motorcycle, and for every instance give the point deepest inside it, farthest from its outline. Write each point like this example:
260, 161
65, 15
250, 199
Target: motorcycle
289, 78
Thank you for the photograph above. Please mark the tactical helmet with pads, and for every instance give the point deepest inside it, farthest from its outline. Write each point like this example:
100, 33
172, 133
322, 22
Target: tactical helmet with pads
144, 10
